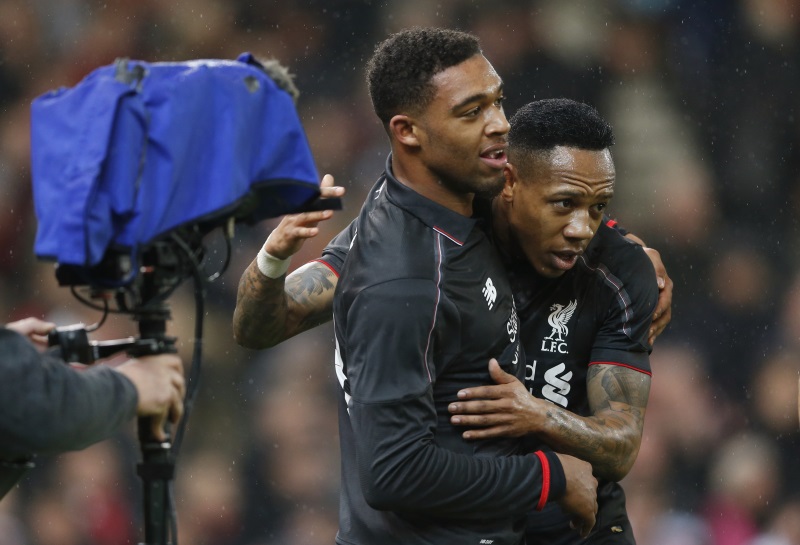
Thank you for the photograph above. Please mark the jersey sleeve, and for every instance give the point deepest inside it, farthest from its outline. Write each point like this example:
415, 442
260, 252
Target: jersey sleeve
336, 251
623, 336
49, 407
391, 343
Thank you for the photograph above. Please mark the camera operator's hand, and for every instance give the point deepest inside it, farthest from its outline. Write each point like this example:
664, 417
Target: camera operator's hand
33, 328
288, 237
160, 386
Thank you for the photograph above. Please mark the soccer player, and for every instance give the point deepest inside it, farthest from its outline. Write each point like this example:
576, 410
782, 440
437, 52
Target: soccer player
422, 304
585, 296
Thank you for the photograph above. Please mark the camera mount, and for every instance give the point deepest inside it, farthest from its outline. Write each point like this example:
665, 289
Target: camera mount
164, 265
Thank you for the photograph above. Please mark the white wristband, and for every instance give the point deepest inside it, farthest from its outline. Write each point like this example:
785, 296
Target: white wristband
270, 266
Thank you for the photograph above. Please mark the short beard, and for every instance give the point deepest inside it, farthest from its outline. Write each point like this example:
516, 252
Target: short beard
484, 192
490, 193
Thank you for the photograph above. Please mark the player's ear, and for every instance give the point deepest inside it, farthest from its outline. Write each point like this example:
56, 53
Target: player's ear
511, 176
403, 129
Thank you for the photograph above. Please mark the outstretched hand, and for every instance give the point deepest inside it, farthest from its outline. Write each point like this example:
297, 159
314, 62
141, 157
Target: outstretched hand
505, 409
293, 230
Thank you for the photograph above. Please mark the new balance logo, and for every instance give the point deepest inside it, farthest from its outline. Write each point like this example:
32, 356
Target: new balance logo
490, 292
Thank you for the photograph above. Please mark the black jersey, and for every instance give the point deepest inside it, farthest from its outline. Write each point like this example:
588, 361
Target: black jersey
598, 312
421, 305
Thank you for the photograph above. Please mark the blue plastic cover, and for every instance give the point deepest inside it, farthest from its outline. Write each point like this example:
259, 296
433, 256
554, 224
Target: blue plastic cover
138, 149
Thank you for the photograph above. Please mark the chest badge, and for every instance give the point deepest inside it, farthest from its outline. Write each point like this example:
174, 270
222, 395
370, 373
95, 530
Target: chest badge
558, 319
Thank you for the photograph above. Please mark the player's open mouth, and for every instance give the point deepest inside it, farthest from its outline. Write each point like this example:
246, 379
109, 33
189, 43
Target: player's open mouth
495, 156
565, 260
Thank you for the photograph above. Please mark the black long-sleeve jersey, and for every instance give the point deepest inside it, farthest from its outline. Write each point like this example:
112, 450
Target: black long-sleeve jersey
614, 294
598, 312
421, 305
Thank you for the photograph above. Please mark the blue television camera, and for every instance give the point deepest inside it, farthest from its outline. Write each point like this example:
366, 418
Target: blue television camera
131, 169
139, 150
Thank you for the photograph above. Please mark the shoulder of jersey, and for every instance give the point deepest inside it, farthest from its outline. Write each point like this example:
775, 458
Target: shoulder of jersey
623, 257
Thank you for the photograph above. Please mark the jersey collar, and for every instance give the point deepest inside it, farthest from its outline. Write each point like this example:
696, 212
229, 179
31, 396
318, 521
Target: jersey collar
439, 218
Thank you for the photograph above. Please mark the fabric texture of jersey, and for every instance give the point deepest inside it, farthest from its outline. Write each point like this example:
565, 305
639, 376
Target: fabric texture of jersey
421, 305
598, 312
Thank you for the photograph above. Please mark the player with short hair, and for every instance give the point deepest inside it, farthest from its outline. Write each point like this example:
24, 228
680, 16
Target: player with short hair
585, 296
423, 302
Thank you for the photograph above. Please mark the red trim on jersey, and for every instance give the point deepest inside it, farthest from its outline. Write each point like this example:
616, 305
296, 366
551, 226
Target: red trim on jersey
611, 223
545, 480
448, 235
334, 271
618, 364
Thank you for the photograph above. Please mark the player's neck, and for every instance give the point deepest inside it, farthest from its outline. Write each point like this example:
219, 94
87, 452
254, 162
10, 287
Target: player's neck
415, 176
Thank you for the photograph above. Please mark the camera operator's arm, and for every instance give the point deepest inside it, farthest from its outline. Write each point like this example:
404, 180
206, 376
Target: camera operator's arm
47, 407
272, 307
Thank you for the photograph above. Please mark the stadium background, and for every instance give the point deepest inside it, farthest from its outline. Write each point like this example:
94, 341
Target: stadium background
704, 100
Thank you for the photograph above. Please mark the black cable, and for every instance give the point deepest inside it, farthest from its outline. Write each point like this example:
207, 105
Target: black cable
194, 370
105, 309
229, 251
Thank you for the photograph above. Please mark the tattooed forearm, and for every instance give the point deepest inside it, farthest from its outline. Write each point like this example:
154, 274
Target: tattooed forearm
269, 311
610, 438
261, 308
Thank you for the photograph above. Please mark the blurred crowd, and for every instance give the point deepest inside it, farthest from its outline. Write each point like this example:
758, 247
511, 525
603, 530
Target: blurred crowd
705, 101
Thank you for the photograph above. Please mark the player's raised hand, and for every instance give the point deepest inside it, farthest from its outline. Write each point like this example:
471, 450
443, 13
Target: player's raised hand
292, 231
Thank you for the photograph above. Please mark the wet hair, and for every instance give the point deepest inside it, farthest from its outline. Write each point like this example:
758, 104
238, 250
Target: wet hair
539, 126
400, 70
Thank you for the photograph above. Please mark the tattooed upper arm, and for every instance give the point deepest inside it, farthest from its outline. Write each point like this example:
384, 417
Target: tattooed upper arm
617, 401
310, 290
271, 310
617, 388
